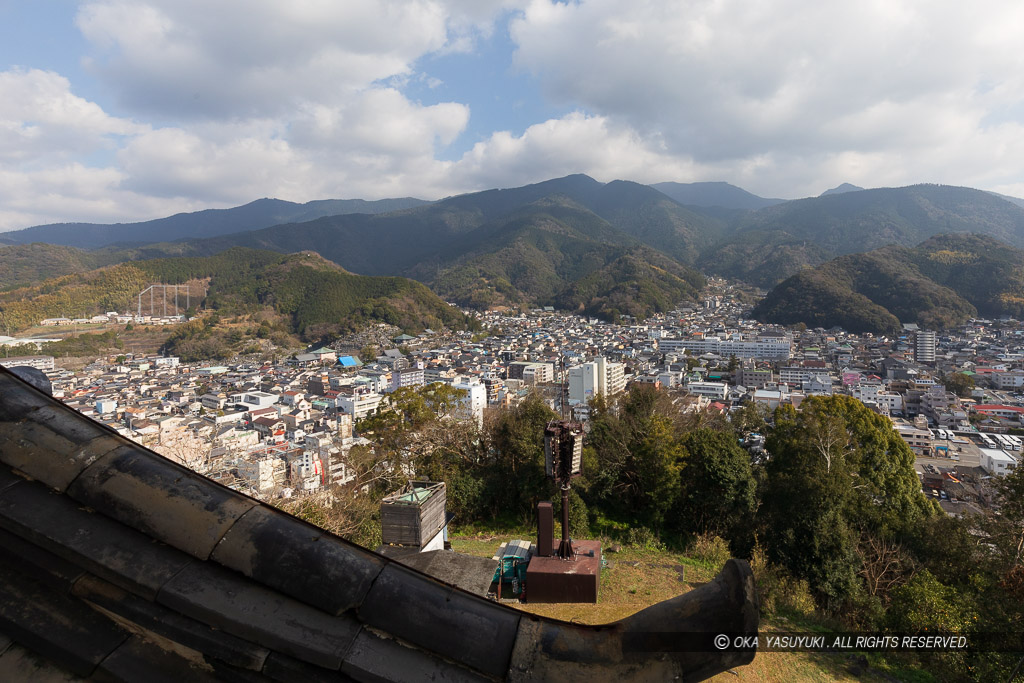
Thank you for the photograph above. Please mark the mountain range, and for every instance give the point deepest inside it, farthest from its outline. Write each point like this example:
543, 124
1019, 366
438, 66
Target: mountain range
261, 213
608, 249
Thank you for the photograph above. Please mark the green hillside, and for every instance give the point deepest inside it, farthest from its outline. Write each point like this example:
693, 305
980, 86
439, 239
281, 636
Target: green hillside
639, 283
27, 264
555, 252
941, 282
982, 270
317, 296
766, 246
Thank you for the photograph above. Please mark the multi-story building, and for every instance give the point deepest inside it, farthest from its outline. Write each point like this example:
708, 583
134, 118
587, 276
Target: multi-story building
873, 393
795, 376
38, 362
919, 440
408, 377
475, 401
1007, 381
767, 345
597, 377
254, 400
754, 378
712, 390
997, 462
530, 371
359, 405
924, 346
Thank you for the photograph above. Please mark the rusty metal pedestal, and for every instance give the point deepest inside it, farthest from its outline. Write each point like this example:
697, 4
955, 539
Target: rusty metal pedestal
552, 579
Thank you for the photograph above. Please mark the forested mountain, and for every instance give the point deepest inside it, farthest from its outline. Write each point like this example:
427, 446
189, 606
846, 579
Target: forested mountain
317, 296
555, 252
769, 245
261, 213
528, 245
444, 231
714, 194
941, 282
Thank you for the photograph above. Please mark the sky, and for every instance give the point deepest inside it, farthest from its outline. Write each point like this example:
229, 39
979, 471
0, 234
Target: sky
119, 110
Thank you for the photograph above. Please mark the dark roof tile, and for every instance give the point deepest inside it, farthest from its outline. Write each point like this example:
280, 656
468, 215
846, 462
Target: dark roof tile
110, 550
171, 625
140, 660
49, 568
451, 622
54, 625
229, 601
299, 560
379, 659
8, 478
284, 668
20, 398
160, 498
28, 446
19, 664
231, 674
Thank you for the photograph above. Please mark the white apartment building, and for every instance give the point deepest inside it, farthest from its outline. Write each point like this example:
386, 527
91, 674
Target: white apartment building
919, 440
766, 345
262, 473
361, 405
38, 362
1007, 381
876, 394
924, 346
475, 401
796, 375
254, 400
712, 390
597, 377
409, 377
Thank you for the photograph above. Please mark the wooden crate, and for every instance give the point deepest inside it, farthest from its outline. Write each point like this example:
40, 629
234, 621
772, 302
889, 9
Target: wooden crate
413, 515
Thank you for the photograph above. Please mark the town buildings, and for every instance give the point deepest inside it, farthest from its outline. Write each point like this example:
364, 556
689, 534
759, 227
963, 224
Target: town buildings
288, 428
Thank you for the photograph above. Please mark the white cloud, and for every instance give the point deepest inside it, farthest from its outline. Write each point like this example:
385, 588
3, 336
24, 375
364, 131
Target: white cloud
576, 143
790, 82
254, 58
40, 119
215, 104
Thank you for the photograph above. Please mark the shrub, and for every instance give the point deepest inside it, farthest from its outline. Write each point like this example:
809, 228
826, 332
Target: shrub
777, 590
713, 550
643, 538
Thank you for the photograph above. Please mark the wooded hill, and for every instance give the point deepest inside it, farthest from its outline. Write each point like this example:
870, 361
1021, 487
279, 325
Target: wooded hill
318, 297
941, 282
769, 245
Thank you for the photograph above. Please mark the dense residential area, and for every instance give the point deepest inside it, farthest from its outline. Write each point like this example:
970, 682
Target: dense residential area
285, 429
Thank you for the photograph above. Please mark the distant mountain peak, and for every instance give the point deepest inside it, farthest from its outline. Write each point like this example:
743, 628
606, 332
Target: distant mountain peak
841, 189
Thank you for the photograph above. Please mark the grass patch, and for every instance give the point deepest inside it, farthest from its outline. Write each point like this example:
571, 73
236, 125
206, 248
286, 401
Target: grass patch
637, 578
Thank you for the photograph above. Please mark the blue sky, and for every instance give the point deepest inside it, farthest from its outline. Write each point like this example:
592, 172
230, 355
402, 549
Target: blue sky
122, 110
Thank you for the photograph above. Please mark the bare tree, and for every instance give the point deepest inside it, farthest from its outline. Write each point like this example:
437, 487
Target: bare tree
886, 564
